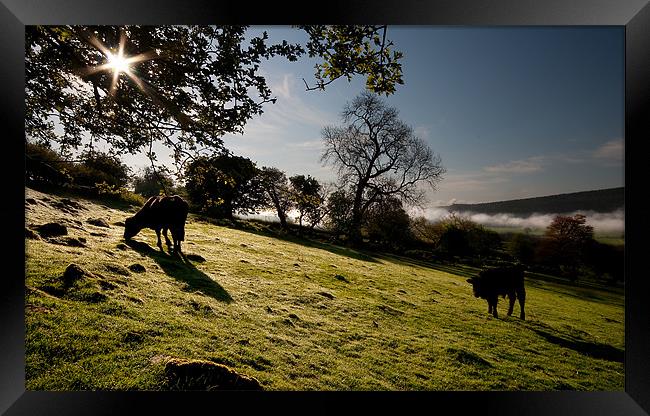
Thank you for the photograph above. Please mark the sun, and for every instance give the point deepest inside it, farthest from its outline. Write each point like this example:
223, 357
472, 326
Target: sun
118, 63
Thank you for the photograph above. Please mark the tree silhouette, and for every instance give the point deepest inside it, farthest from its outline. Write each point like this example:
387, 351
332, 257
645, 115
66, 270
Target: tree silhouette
224, 184
274, 183
377, 155
182, 87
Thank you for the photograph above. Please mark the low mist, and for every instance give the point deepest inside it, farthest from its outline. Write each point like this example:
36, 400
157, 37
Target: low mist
611, 223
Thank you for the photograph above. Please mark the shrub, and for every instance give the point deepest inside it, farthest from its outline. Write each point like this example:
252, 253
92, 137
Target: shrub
387, 224
44, 165
459, 236
97, 167
153, 183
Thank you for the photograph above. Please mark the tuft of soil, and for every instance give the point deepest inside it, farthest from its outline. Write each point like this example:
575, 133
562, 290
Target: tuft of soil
31, 234
341, 278
51, 229
73, 273
326, 294
119, 223
99, 222
117, 269
122, 246
106, 285
137, 268
183, 374
69, 241
468, 358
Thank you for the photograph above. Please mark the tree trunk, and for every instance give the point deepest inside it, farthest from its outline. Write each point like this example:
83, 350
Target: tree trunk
283, 219
355, 228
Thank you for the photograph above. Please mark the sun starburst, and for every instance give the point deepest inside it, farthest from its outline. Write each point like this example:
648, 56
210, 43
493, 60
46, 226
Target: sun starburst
118, 62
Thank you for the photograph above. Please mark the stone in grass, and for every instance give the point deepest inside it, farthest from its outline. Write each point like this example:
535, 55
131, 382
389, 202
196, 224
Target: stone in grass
183, 374
99, 222
52, 229
137, 268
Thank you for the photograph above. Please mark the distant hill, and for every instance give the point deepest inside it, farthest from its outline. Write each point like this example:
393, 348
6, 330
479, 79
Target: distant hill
603, 200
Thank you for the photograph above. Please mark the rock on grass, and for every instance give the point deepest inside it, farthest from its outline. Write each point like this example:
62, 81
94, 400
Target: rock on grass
99, 222
73, 273
185, 374
117, 269
52, 229
137, 268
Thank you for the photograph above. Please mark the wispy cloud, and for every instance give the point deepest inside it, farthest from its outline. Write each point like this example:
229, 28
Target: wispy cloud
529, 165
611, 152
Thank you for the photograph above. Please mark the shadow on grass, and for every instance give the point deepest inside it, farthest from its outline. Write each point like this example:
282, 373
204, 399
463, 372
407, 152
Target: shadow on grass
591, 349
181, 269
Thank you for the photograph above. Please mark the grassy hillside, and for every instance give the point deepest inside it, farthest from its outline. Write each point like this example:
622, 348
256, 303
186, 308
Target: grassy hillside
293, 314
602, 200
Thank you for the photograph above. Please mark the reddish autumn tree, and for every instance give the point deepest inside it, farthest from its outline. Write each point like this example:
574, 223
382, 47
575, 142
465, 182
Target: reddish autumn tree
567, 240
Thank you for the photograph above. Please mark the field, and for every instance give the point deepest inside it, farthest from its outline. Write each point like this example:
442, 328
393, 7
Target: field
294, 314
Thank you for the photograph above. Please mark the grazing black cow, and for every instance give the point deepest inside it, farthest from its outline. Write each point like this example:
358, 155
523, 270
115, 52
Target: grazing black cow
501, 281
160, 213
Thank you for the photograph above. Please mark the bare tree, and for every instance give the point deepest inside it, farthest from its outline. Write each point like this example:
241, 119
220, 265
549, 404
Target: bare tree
377, 155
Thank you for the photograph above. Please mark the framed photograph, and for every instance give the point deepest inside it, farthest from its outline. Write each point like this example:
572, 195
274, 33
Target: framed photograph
400, 204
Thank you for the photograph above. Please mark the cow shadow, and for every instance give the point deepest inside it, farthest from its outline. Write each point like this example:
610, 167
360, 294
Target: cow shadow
181, 268
584, 347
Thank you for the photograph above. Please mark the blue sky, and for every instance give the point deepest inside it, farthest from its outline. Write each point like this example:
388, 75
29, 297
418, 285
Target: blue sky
513, 112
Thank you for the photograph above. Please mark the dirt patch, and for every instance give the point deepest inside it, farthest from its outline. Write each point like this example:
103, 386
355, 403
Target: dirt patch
98, 222
206, 375
119, 223
51, 229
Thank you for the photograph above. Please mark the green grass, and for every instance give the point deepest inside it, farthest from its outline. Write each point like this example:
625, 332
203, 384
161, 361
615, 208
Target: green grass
296, 315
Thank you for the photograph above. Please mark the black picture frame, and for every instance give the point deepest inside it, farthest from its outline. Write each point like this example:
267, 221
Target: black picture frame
634, 15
